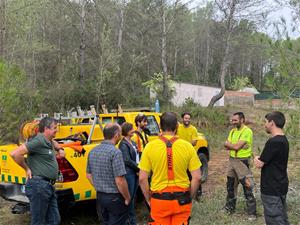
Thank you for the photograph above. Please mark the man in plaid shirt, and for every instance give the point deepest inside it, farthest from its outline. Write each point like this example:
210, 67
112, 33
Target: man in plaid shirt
106, 170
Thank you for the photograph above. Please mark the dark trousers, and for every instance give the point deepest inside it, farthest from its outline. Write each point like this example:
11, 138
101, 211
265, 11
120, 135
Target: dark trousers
132, 181
275, 209
113, 208
43, 203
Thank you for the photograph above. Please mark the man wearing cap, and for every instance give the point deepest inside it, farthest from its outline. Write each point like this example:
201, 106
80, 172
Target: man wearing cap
168, 158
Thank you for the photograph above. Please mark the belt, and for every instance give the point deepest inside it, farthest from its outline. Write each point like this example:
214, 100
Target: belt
170, 195
51, 181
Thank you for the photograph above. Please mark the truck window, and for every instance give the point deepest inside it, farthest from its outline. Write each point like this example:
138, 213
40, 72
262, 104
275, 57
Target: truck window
152, 126
106, 120
119, 120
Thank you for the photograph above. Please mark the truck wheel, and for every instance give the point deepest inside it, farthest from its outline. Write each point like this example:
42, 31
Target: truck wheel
204, 167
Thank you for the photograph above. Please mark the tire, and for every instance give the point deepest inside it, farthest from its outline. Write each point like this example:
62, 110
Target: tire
204, 167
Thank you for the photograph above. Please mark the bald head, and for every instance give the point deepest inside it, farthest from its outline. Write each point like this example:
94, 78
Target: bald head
111, 130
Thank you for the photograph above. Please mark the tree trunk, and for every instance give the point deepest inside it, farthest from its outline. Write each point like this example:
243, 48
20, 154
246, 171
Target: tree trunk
164, 50
175, 61
121, 26
207, 58
226, 59
2, 27
82, 41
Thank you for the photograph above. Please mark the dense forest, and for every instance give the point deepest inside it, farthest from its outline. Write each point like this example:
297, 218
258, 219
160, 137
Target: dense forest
57, 54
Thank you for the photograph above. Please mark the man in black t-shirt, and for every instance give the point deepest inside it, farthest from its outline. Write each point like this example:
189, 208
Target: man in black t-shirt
273, 164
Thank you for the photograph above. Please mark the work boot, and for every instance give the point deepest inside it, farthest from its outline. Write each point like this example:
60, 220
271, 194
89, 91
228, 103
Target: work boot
230, 206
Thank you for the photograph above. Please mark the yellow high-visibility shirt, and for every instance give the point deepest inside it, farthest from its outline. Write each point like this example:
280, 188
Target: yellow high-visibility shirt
189, 133
154, 158
243, 134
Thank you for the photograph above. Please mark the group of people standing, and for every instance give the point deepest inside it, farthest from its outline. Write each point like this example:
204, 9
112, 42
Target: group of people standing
116, 172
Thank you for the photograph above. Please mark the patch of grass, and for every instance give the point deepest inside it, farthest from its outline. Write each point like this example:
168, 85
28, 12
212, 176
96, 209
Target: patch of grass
210, 209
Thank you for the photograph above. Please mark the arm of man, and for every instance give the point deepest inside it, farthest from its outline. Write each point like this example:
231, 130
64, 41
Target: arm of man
90, 178
195, 182
238, 146
194, 136
144, 184
60, 152
18, 156
123, 188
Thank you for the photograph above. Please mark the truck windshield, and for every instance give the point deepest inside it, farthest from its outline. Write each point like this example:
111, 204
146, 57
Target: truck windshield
152, 126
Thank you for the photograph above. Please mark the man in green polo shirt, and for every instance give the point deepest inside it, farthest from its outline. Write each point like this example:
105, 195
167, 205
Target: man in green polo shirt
239, 143
41, 172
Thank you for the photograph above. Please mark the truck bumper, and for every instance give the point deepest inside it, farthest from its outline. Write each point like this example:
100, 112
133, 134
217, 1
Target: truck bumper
15, 192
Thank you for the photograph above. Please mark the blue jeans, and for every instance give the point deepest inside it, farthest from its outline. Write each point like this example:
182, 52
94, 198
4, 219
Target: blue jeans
113, 208
132, 181
43, 203
275, 209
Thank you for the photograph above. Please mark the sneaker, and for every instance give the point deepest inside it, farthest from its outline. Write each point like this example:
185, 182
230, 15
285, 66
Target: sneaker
252, 218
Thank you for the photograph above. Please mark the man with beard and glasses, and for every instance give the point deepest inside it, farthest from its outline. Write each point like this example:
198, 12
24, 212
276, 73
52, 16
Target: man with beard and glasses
239, 144
186, 131
273, 164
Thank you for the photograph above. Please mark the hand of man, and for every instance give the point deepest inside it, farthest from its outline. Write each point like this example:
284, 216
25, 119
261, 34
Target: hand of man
258, 163
28, 174
127, 201
60, 153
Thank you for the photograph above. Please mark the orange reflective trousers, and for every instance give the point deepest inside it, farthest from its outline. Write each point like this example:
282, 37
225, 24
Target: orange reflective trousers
169, 212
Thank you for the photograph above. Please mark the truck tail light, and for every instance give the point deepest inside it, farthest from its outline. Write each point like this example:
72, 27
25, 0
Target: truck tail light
66, 171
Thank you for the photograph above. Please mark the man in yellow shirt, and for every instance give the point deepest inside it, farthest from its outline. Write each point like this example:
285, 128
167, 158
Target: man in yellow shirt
168, 158
186, 131
239, 143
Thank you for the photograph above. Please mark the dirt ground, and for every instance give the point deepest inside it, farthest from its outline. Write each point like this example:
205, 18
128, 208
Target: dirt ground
87, 215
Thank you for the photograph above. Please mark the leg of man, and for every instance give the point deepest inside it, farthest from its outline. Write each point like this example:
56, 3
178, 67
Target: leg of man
113, 208
231, 197
39, 194
182, 214
52, 217
132, 182
98, 208
273, 210
244, 175
161, 211
284, 209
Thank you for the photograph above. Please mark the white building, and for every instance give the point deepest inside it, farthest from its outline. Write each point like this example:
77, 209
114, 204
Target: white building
200, 94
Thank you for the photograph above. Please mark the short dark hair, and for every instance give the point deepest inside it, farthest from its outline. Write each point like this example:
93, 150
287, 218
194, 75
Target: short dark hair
277, 117
46, 122
168, 121
139, 118
110, 130
240, 114
126, 127
185, 113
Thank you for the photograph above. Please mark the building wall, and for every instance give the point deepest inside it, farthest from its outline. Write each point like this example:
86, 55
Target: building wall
238, 98
200, 94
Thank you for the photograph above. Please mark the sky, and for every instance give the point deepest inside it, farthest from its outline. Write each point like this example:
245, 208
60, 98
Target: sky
273, 17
